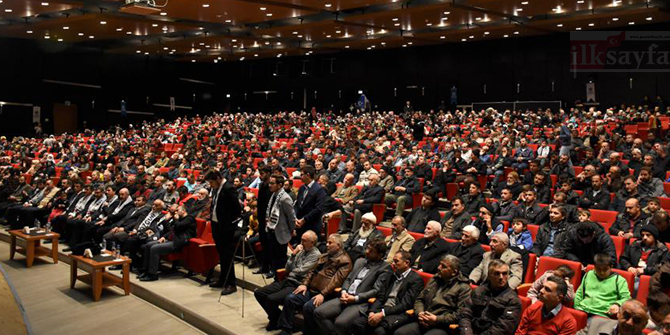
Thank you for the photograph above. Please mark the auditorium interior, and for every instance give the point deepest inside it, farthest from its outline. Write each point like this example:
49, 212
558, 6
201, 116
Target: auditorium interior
295, 166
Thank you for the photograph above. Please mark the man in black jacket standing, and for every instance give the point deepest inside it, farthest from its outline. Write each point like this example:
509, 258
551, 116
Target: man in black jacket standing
225, 210
262, 203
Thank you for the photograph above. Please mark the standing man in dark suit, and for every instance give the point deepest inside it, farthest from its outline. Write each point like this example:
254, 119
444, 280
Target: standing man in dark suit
387, 313
263, 201
225, 210
280, 223
309, 203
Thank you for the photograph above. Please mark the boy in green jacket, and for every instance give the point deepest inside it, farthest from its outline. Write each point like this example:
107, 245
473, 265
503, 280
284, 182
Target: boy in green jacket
602, 292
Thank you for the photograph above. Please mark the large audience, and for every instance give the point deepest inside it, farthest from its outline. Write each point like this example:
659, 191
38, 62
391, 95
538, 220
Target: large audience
381, 222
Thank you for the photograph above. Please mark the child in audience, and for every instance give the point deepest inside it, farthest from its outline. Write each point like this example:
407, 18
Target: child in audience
562, 271
583, 215
602, 292
519, 236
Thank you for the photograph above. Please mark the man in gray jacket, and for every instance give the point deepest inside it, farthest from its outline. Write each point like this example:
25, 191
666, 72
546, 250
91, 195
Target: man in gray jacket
368, 277
279, 223
303, 258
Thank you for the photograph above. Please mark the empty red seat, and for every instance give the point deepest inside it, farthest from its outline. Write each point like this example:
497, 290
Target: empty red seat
533, 229
643, 289
605, 218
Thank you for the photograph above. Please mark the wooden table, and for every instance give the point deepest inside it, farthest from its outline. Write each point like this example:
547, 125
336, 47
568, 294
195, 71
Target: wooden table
97, 277
33, 247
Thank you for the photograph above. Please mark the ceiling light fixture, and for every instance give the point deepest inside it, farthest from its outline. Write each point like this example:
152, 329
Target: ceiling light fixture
395, 19
649, 18
328, 5
506, 36
591, 24
119, 29
242, 58
463, 39
486, 33
103, 22
268, 14
346, 47
80, 34
443, 37
447, 13
8, 10
263, 8
129, 32
46, 37
205, 5
29, 31
631, 23
615, 19
578, 28
559, 25
91, 36
516, 33
154, 25
163, 13
524, 3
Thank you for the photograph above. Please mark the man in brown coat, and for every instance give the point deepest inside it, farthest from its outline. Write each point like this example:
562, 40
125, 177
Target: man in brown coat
319, 284
399, 240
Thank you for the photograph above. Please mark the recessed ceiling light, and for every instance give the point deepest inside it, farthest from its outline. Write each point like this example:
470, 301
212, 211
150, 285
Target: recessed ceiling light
165, 28
263, 8
443, 37
8, 10
524, 3
255, 55
395, 19
60, 40
328, 5
591, 24
478, 18
295, 33
119, 29
346, 47
506, 36
578, 28
206, 5
559, 25
129, 32
404, 45
328, 36
103, 22
337, 31
472, 36
268, 14
631, 23
519, 9
165, 48
463, 40
146, 53
242, 58
233, 40
229, 21
45, 4
615, 19
278, 43
409, 43
80, 34
397, 24
486, 33
516, 33
29, 31
91, 36
447, 13
137, 51
192, 60
429, 24
46, 37
299, 36
163, 13
580, 1
649, 18
216, 61
154, 25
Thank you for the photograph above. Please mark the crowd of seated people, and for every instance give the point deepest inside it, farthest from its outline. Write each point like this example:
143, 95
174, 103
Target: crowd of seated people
481, 195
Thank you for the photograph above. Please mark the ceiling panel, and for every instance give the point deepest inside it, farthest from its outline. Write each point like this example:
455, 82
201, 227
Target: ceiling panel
231, 12
603, 21
335, 5
99, 26
530, 8
434, 16
17, 9
317, 31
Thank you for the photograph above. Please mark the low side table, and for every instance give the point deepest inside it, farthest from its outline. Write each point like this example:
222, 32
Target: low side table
33, 246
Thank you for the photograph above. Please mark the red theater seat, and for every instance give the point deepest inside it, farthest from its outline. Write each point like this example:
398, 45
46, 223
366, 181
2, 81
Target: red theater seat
550, 263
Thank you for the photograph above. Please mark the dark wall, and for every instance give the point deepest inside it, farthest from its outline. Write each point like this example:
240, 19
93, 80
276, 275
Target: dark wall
141, 81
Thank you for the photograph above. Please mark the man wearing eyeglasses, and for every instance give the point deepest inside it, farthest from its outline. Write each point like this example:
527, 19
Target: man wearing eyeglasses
631, 320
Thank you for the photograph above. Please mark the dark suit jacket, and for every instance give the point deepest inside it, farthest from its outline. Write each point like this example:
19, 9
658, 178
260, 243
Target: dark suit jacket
309, 206
430, 257
227, 206
407, 293
132, 217
182, 230
373, 282
591, 201
470, 256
